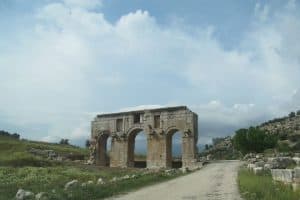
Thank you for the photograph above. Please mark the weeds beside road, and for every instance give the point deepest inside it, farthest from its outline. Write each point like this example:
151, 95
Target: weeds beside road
262, 187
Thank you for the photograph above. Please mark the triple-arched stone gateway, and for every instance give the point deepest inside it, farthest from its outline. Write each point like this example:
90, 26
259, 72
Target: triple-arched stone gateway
159, 125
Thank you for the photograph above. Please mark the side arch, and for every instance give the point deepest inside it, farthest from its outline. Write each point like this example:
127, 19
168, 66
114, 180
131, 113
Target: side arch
102, 157
169, 136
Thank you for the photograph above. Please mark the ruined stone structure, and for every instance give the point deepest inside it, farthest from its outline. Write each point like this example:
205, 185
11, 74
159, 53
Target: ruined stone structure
159, 125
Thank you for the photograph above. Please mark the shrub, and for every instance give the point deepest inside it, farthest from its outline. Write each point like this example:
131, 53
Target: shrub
283, 147
7, 134
87, 143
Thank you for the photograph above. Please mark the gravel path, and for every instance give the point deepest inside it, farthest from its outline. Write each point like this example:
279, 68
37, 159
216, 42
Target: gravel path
213, 182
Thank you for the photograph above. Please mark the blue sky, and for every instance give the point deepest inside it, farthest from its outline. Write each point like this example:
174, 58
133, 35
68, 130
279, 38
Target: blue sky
235, 63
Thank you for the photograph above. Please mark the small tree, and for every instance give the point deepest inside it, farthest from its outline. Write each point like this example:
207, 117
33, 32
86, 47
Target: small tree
240, 141
206, 147
298, 112
87, 143
64, 141
292, 114
16, 136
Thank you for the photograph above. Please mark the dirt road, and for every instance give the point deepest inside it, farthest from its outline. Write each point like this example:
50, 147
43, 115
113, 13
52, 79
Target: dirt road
213, 182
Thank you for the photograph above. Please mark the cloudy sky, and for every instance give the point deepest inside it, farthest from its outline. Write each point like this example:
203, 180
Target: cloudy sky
235, 63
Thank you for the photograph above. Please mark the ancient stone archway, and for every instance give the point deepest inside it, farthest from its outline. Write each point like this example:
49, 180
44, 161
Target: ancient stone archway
158, 124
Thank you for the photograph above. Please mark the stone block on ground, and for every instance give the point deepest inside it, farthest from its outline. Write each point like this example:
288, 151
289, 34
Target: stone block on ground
283, 175
23, 195
71, 184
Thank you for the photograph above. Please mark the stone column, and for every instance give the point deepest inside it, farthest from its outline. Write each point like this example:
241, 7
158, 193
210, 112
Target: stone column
189, 149
119, 154
156, 151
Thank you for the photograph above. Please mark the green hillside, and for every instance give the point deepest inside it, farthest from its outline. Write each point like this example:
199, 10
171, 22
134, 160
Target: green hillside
14, 152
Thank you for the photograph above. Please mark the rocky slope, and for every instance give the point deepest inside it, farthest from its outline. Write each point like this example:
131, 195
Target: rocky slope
283, 126
288, 131
221, 149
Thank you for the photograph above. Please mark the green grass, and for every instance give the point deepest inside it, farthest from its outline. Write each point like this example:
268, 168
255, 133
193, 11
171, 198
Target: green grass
253, 187
46, 179
20, 169
15, 152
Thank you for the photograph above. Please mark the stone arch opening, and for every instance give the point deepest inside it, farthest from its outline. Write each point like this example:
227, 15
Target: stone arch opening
174, 147
104, 143
137, 142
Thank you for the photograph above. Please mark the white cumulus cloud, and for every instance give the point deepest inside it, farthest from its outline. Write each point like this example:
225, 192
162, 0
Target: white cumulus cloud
71, 60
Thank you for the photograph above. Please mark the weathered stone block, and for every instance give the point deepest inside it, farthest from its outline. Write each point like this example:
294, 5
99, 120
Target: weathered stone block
283, 175
257, 170
297, 175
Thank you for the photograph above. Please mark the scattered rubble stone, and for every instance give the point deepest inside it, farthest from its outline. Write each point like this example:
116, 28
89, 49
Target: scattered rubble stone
41, 196
71, 184
257, 170
100, 181
23, 194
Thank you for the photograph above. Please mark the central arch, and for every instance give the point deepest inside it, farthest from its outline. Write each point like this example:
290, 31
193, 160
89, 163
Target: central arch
171, 161
132, 162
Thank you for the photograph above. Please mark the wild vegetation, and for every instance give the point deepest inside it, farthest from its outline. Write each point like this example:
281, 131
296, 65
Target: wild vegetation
15, 152
20, 169
7, 134
52, 180
262, 187
274, 136
253, 140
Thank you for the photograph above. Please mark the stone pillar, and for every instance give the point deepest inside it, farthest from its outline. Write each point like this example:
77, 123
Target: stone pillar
119, 152
189, 151
156, 150
168, 148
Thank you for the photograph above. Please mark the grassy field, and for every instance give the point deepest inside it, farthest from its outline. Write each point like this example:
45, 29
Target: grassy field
49, 179
20, 169
253, 187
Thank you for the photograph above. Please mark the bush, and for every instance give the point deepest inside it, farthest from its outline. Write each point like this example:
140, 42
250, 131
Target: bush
283, 147
7, 134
